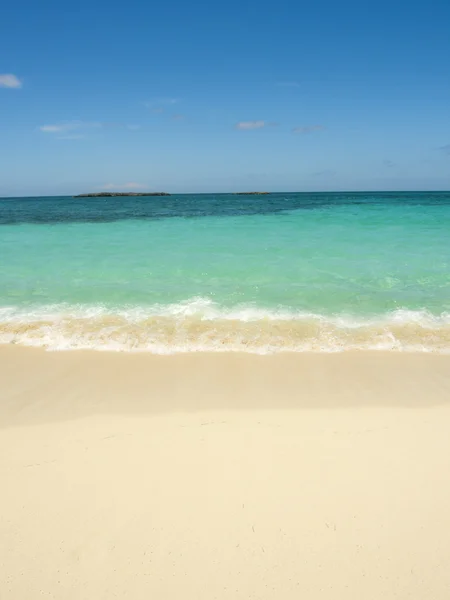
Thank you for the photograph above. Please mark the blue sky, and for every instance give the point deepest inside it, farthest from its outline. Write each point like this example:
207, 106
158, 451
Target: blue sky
198, 97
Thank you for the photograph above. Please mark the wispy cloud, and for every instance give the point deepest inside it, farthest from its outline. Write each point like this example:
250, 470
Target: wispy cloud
178, 117
307, 129
69, 126
8, 80
158, 105
131, 185
57, 128
389, 164
445, 149
247, 125
77, 130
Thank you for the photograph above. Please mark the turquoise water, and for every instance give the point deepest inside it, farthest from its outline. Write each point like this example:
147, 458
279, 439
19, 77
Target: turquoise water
223, 272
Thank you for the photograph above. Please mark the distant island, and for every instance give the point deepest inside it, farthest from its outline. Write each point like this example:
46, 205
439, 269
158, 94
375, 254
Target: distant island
114, 194
251, 193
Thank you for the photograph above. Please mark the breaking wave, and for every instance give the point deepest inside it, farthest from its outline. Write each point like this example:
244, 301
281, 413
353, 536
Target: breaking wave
201, 325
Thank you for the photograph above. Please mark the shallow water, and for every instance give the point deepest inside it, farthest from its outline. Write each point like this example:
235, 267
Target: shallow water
292, 272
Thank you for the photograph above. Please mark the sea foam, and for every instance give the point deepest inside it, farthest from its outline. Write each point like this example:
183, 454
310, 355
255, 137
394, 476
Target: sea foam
199, 324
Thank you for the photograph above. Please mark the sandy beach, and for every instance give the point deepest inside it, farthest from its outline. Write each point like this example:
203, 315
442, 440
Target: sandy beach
202, 476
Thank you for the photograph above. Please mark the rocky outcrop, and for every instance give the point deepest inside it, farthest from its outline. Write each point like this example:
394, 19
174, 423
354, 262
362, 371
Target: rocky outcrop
114, 194
251, 193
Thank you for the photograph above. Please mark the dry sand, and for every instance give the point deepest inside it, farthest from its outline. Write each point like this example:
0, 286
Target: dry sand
224, 476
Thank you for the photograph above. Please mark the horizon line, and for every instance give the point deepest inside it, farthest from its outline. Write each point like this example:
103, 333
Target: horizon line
142, 194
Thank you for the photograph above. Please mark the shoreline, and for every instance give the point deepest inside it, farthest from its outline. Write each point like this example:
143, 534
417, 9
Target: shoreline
224, 475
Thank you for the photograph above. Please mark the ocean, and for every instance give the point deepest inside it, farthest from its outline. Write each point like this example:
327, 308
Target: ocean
295, 272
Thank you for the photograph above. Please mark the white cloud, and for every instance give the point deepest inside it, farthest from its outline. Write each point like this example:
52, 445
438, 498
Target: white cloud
68, 126
308, 129
246, 125
131, 185
8, 80
56, 128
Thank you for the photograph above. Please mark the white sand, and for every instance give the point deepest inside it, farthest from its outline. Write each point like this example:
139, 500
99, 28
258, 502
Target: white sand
224, 476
